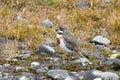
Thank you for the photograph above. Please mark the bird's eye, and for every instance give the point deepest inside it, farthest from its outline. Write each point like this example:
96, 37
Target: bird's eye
60, 28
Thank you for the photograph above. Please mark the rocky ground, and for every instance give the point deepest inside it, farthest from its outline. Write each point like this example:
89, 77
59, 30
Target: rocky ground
48, 64
28, 52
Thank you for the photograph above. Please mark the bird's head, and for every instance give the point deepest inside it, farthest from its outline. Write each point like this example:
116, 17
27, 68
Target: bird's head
63, 29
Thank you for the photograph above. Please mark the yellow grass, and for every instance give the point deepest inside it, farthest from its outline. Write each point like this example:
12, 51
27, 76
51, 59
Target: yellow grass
84, 24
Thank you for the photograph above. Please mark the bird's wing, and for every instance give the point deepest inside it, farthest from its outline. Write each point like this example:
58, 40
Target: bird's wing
71, 43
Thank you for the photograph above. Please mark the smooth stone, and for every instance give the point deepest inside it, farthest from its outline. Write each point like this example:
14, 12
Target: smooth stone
21, 18
68, 78
102, 47
114, 56
81, 5
15, 60
93, 74
21, 68
46, 49
11, 77
101, 40
24, 78
72, 78
55, 59
23, 56
40, 69
109, 75
112, 62
34, 64
1, 74
3, 40
8, 69
83, 61
30, 76
116, 51
104, 1
1, 68
98, 55
6, 65
97, 79
1, 78
47, 23
41, 77
58, 74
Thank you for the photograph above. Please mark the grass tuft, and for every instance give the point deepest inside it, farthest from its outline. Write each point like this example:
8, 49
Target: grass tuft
9, 49
84, 23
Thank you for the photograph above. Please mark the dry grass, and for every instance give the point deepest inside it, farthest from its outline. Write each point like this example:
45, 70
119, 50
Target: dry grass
84, 23
9, 49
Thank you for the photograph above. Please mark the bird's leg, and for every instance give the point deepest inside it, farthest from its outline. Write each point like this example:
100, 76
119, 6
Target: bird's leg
70, 57
64, 58
80, 55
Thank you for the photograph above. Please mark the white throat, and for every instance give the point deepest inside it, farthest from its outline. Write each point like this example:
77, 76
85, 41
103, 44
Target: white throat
60, 31
59, 35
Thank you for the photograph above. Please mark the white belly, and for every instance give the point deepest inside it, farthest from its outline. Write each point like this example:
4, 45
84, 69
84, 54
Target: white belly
62, 44
63, 47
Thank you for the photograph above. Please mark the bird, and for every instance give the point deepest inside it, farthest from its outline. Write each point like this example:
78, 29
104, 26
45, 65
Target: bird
66, 40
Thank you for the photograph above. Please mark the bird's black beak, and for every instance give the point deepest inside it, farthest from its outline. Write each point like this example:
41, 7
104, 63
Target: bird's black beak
57, 30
